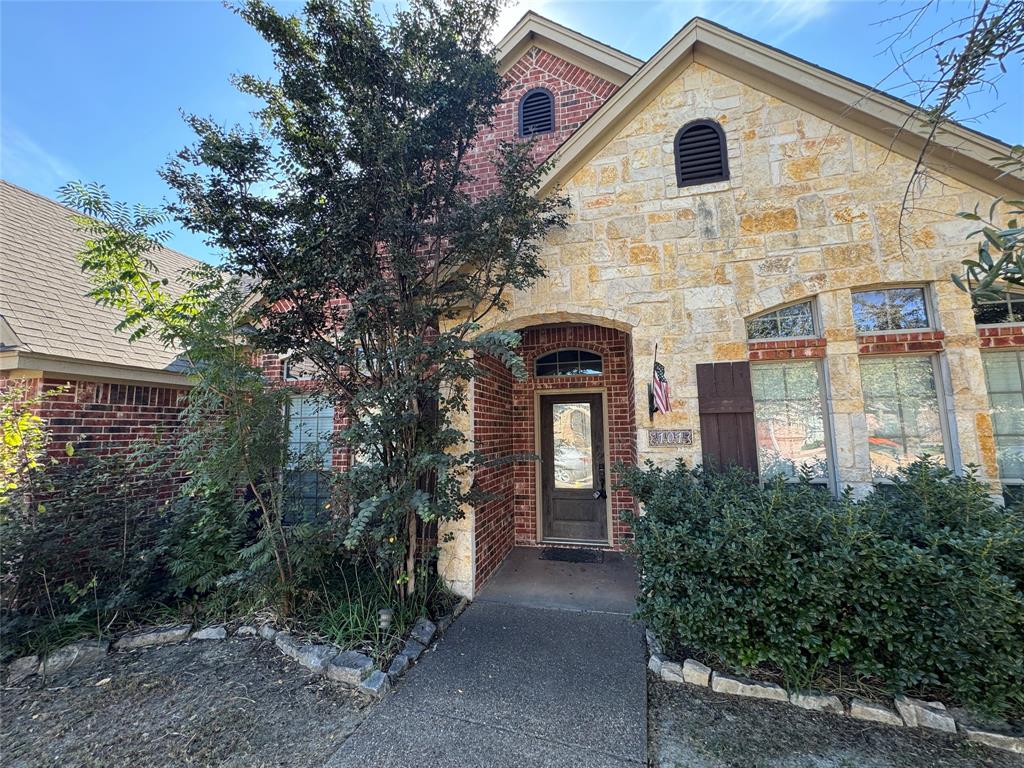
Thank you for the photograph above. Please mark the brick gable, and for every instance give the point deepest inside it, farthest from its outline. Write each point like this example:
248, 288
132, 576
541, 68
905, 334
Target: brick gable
577, 92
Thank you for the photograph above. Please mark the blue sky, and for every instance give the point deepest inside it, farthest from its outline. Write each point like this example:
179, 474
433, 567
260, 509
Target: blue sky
94, 91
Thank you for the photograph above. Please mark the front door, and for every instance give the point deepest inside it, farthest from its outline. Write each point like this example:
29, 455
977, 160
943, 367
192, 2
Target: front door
573, 473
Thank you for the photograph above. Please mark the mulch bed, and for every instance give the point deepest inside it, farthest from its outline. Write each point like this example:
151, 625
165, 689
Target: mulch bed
230, 703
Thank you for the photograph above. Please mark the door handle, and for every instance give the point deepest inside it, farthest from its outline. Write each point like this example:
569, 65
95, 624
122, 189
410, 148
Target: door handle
600, 494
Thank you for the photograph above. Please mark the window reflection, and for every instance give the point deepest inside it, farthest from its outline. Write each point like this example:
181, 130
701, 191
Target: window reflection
902, 407
1006, 396
573, 450
890, 309
789, 421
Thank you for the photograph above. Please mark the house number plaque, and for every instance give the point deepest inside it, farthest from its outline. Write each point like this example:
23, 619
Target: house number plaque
659, 437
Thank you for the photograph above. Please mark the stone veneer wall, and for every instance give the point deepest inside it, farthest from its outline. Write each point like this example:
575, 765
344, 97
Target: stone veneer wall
810, 211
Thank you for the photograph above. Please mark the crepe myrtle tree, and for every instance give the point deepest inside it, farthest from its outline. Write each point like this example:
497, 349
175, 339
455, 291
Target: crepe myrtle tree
352, 211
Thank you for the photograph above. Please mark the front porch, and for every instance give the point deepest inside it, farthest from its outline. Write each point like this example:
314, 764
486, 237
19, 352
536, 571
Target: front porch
552, 441
527, 578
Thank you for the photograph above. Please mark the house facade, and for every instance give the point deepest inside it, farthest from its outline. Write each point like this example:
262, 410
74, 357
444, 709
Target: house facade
737, 217
110, 392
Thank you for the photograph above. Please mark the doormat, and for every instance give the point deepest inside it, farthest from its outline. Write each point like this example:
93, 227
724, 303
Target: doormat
566, 555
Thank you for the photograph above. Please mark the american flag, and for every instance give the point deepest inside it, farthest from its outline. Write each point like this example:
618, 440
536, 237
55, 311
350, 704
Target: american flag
659, 386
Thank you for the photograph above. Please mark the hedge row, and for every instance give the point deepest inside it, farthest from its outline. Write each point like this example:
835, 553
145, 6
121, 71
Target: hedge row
919, 587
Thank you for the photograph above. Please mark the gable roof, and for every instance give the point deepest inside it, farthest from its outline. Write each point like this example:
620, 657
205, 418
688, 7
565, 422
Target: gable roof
532, 30
956, 150
46, 318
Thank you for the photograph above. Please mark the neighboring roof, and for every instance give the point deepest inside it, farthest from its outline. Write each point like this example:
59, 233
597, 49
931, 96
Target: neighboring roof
45, 314
534, 30
958, 151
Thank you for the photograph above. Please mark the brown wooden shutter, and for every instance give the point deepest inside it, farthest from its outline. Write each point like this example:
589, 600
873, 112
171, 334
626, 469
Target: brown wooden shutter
726, 406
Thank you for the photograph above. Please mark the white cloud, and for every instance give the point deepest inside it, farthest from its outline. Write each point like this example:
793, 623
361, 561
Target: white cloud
26, 162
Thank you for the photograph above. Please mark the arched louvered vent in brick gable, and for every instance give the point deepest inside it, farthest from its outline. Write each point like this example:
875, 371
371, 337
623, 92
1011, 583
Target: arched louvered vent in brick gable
536, 112
701, 156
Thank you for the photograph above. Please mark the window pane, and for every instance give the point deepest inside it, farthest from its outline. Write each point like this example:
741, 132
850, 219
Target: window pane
891, 309
310, 426
1006, 396
1009, 308
796, 320
1002, 371
1007, 413
902, 408
569, 362
788, 415
573, 451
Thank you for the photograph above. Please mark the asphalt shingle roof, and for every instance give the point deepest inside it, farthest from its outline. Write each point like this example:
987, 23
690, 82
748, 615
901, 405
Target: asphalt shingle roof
43, 290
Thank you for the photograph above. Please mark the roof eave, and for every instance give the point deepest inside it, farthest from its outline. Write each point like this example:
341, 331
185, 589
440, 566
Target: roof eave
535, 30
20, 364
878, 117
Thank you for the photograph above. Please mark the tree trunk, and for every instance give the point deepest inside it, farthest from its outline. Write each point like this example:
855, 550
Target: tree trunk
410, 560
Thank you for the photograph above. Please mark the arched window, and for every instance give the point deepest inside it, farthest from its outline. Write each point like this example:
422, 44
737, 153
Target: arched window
701, 157
570, 362
536, 112
793, 321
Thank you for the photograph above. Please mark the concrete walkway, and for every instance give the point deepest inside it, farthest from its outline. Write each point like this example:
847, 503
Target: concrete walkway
534, 673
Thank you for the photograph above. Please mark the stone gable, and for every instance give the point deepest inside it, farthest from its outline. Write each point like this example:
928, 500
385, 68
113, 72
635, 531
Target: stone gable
810, 211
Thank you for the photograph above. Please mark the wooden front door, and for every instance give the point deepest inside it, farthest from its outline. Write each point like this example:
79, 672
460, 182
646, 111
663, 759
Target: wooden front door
573, 472
726, 406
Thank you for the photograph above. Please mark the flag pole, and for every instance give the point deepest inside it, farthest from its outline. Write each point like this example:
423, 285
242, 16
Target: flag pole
650, 387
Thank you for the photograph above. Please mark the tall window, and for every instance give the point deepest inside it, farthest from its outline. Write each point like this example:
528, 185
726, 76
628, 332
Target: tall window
310, 425
1004, 375
536, 112
901, 402
793, 321
789, 419
700, 152
570, 362
890, 309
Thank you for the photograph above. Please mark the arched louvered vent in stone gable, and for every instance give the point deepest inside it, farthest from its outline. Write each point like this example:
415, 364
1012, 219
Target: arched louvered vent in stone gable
700, 153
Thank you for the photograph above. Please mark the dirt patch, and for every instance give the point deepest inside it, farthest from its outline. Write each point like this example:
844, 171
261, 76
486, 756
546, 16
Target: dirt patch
230, 703
691, 727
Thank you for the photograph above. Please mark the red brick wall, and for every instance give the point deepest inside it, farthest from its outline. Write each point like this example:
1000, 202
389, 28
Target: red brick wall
577, 95
617, 382
786, 349
494, 526
102, 418
900, 343
995, 336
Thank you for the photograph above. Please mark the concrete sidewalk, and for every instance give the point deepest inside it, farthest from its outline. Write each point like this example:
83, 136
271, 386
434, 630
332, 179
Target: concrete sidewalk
519, 684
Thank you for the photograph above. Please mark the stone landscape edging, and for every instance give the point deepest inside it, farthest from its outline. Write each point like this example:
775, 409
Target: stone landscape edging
905, 712
350, 668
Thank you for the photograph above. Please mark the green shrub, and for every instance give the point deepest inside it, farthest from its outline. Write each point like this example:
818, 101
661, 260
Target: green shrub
917, 587
86, 553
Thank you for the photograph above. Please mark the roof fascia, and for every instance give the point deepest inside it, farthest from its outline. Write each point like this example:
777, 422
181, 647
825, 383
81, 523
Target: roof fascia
956, 151
29, 365
595, 57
